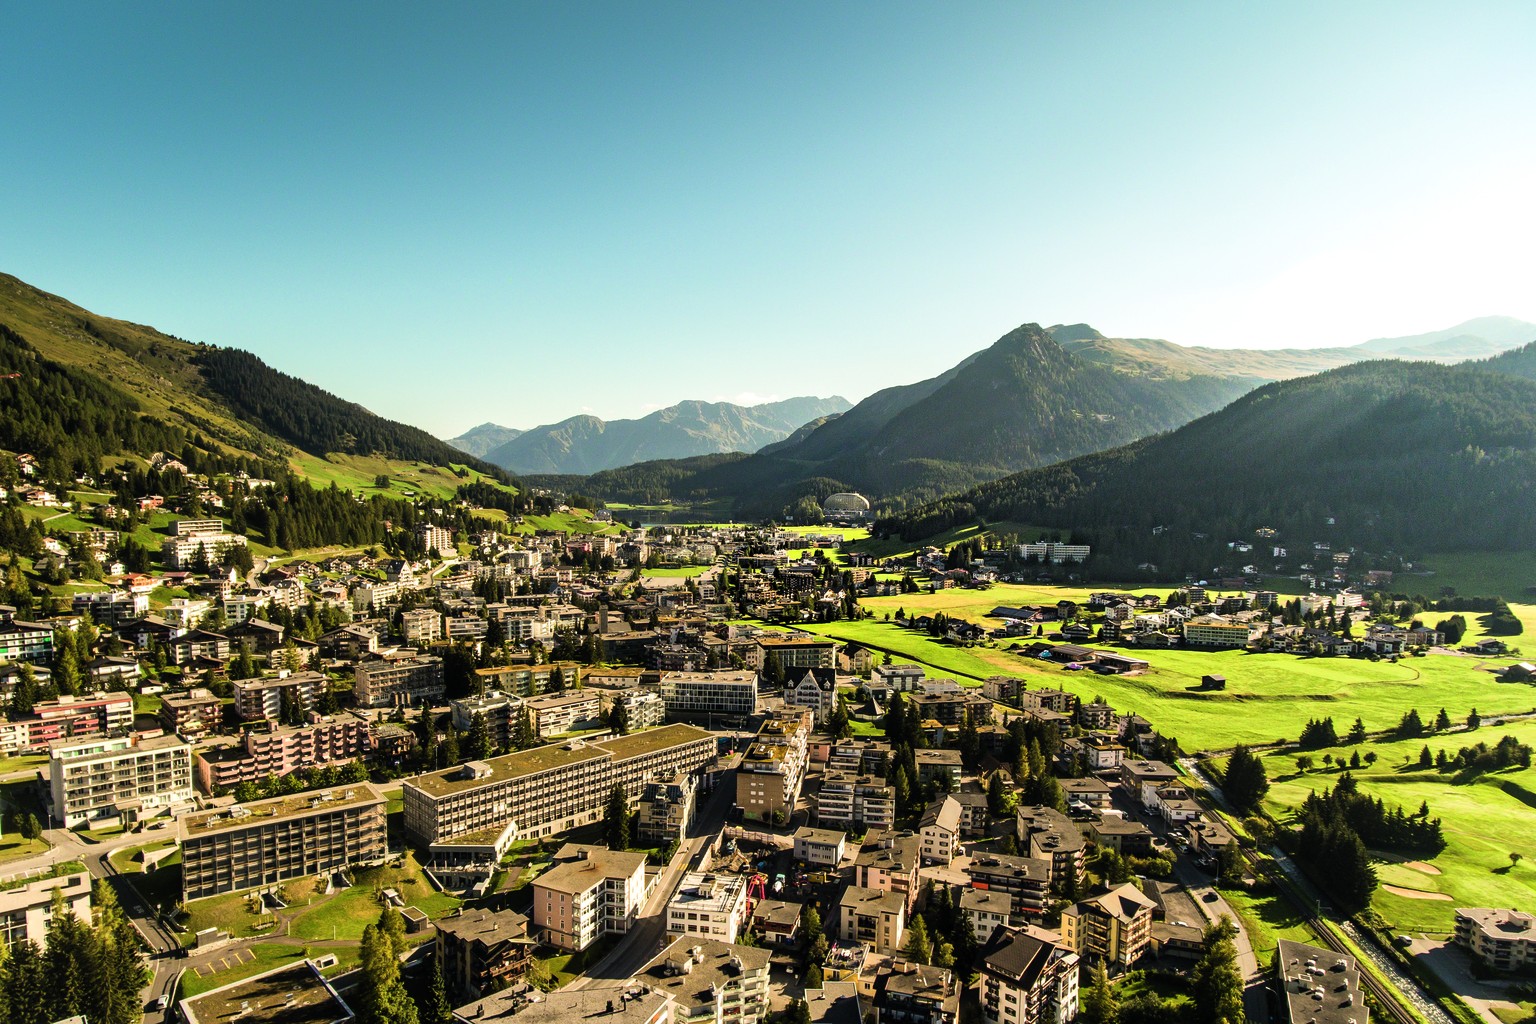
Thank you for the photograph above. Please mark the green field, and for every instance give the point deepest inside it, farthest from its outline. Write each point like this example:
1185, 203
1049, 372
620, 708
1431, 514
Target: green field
1507, 574
682, 572
1484, 822
264, 956
358, 473
1268, 696
345, 914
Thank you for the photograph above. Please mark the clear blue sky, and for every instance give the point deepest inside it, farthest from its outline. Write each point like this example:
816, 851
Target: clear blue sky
513, 212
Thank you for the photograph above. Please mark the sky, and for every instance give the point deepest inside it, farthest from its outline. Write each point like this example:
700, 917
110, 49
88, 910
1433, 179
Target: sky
458, 213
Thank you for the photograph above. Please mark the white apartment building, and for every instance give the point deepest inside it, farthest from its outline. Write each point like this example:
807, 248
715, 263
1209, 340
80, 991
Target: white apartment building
711, 982
710, 693
263, 697
124, 776
708, 905
597, 893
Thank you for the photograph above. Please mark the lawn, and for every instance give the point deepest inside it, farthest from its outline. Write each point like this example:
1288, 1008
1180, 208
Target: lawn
23, 763
229, 913
1268, 696
683, 572
1484, 822
14, 847
266, 956
358, 473
129, 860
345, 914
1268, 916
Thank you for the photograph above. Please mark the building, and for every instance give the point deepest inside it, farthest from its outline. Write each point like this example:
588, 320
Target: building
110, 607
1318, 986
298, 991
263, 697
1046, 833
1115, 927
192, 715
398, 680
189, 537
482, 951
643, 709
69, 718
770, 773
124, 778
711, 982
548, 789
1142, 779
421, 625
436, 538
272, 749
271, 841
777, 923
942, 768
598, 892
709, 905
890, 862
638, 1005
819, 847
855, 803
875, 918
1054, 552
985, 911
1504, 940
911, 993
939, 828
531, 680
556, 713
1213, 631
667, 805
1024, 880
797, 652
1028, 978
25, 910
24, 641
723, 694
814, 688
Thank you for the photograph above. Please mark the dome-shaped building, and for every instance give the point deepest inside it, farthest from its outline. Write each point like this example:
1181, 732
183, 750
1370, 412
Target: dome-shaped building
846, 506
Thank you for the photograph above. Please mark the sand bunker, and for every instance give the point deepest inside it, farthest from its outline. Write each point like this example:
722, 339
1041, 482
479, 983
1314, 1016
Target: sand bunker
1415, 894
1420, 866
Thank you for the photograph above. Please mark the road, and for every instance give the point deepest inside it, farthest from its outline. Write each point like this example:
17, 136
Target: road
647, 935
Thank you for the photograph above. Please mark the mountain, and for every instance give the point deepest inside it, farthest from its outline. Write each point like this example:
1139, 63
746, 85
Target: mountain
586, 444
487, 437
1385, 455
1024, 401
90, 387
1517, 362
1473, 339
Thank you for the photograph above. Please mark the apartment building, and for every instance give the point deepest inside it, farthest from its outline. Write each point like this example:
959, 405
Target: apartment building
191, 715
819, 847
124, 777
770, 773
110, 608
711, 982
855, 803
547, 789
814, 688
263, 697
908, 993
482, 951
271, 841
872, 917
24, 641
25, 910
1216, 632
1502, 939
1026, 881
985, 911
399, 679
798, 652
666, 809
1027, 977
530, 680
421, 625
643, 709
191, 536
1046, 833
557, 713
68, 718
271, 749
436, 538
725, 694
890, 862
597, 893
1318, 986
939, 828
1115, 927
708, 905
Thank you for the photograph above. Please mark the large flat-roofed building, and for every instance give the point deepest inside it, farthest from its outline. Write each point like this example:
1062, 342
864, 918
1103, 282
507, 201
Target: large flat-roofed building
1502, 939
729, 694
770, 773
24, 641
597, 893
24, 910
798, 651
547, 789
124, 777
271, 841
529, 680
398, 680
1024, 880
1318, 986
295, 993
263, 697
708, 905
69, 718
711, 982
208, 536
1215, 631
555, 713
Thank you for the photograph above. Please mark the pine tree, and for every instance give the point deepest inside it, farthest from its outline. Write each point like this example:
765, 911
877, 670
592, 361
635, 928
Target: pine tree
381, 996
478, 744
618, 719
616, 819
1098, 1004
523, 734
70, 944
918, 948
1215, 978
1245, 782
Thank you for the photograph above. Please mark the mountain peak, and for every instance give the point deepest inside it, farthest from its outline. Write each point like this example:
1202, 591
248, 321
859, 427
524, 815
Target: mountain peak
1064, 333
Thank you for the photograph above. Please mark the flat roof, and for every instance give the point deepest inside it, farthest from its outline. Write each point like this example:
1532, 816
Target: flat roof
507, 767
292, 994
649, 741
262, 811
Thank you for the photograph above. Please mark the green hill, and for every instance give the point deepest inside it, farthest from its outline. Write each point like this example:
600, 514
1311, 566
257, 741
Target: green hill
1385, 455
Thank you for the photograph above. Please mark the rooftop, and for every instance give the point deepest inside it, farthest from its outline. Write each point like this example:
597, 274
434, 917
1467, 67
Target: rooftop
691, 970
293, 994
263, 811
597, 866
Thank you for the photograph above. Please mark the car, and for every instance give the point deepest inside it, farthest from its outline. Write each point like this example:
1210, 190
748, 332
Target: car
1210, 896
160, 1003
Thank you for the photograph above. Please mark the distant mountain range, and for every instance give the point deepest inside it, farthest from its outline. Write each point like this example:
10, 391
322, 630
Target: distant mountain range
1034, 397
1388, 455
586, 444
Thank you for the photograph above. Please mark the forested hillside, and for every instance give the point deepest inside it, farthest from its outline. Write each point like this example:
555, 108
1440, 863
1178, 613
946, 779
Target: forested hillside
1390, 456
